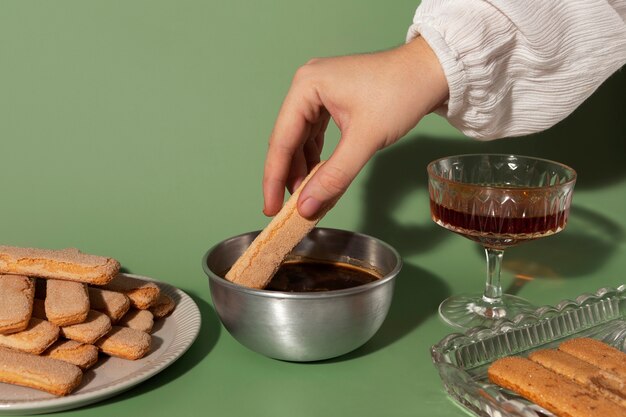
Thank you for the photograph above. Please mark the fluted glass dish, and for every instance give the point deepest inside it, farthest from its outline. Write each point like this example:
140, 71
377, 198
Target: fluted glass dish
498, 201
463, 359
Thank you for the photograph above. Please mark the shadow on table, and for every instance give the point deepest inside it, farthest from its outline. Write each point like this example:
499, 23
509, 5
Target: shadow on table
588, 241
416, 297
592, 140
210, 329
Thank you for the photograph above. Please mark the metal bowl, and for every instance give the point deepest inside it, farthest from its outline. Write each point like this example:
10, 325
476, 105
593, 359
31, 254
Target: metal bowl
306, 326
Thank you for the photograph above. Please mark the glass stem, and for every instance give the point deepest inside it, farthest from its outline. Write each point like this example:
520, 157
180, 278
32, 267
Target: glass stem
493, 288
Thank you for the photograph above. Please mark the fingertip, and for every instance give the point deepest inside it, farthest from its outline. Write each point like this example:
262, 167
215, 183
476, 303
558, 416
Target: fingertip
273, 195
309, 208
271, 210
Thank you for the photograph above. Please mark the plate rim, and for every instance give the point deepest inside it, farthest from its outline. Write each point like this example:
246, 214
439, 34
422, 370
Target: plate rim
185, 338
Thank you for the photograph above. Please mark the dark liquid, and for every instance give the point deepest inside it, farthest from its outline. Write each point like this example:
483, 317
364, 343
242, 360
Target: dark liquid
312, 276
479, 224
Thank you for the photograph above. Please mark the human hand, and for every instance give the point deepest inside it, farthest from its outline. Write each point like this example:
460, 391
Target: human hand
374, 99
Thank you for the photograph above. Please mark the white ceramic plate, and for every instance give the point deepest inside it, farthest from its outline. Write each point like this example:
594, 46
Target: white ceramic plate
110, 376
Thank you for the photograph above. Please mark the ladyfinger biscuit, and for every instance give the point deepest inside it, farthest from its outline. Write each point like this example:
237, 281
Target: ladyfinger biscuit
613, 383
42, 373
35, 339
68, 264
138, 319
550, 390
260, 261
66, 302
126, 343
93, 328
597, 353
575, 369
142, 293
16, 292
113, 304
163, 306
80, 354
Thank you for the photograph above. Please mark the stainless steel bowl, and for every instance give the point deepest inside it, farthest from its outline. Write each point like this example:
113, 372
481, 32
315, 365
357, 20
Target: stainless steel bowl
305, 326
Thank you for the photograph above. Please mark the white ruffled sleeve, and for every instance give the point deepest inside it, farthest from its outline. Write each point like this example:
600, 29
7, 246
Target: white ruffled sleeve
518, 67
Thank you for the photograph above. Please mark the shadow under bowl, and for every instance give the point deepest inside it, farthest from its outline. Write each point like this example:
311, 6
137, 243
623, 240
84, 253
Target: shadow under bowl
305, 326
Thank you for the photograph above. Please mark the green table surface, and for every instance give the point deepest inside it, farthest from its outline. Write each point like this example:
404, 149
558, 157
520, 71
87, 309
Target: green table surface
138, 130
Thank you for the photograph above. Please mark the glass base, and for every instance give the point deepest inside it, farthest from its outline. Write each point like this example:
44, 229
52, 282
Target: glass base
471, 310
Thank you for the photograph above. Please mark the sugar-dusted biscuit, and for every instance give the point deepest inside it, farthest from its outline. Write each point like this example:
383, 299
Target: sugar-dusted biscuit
124, 342
16, 292
142, 293
138, 319
82, 355
113, 304
260, 261
42, 373
575, 369
34, 339
550, 390
67, 302
68, 264
163, 306
597, 353
612, 382
95, 326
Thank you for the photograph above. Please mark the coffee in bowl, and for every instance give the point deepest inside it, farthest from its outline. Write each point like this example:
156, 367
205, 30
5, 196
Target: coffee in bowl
312, 275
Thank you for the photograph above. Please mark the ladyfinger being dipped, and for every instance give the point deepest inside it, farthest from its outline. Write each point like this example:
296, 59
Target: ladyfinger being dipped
68, 264
258, 264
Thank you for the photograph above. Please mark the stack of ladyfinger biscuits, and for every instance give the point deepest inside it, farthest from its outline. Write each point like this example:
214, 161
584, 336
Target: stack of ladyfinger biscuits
583, 377
60, 309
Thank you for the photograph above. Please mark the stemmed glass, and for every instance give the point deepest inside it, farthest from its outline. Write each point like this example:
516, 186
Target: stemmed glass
497, 201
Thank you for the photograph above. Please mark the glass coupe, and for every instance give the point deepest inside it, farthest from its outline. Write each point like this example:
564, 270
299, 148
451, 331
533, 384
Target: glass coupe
497, 201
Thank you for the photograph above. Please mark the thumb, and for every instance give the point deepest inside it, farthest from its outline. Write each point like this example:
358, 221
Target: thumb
334, 177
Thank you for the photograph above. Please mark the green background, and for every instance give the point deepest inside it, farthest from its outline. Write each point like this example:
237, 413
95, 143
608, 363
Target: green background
138, 130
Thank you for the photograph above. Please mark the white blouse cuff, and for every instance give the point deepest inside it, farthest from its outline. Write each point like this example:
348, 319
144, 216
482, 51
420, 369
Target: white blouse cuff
521, 67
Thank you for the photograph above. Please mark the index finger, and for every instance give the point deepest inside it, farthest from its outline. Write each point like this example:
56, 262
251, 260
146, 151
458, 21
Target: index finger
299, 112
